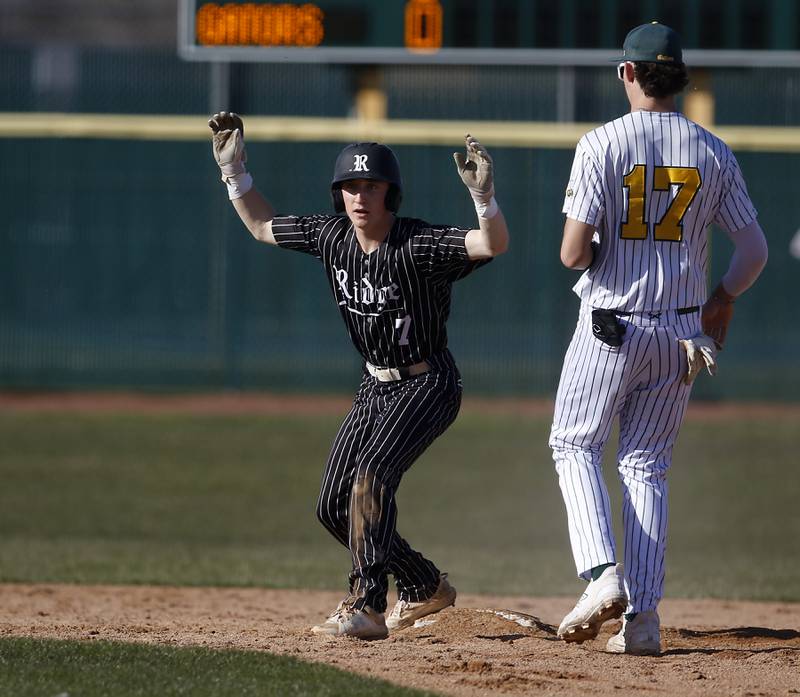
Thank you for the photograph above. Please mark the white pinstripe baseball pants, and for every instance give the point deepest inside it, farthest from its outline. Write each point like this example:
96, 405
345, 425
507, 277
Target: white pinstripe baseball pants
388, 427
641, 383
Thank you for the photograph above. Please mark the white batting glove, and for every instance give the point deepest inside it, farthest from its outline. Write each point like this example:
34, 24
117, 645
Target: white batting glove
227, 144
477, 172
701, 351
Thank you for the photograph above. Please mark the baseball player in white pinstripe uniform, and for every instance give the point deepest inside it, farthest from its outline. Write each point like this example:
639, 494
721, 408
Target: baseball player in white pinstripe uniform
391, 278
642, 193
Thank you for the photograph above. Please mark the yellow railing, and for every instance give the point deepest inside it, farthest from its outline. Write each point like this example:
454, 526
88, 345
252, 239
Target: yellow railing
517, 134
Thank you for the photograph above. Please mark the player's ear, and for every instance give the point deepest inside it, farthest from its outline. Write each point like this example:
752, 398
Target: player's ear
630, 72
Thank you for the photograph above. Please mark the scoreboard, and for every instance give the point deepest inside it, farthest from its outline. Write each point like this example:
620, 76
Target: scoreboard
309, 25
543, 32
361, 31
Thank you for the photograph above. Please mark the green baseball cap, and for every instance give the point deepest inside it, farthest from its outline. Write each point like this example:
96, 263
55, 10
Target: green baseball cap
652, 43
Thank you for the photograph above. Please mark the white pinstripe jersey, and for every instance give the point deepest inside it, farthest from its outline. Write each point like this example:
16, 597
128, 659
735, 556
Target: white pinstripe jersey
394, 301
651, 183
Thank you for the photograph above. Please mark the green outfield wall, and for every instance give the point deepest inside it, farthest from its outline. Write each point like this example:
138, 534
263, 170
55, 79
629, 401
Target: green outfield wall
123, 265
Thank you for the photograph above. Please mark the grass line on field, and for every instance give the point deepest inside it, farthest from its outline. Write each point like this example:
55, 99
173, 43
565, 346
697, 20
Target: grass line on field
37, 667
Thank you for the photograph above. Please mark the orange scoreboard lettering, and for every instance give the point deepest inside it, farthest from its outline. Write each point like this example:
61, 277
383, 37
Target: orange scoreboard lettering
423, 26
251, 24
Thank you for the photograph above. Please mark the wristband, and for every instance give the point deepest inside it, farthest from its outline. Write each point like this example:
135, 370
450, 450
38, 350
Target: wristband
487, 209
238, 184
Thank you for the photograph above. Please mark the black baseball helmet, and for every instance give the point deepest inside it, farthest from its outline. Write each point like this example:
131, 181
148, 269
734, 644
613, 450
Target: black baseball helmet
367, 161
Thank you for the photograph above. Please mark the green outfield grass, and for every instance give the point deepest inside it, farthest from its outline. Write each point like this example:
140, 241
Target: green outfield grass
43, 668
229, 500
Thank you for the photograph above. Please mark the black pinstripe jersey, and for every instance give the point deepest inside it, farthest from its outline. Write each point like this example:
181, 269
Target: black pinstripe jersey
394, 301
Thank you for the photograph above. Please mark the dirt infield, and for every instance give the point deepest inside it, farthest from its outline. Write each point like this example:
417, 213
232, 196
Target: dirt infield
484, 646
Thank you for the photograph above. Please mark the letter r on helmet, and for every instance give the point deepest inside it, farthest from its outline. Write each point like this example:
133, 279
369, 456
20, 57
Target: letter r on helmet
360, 163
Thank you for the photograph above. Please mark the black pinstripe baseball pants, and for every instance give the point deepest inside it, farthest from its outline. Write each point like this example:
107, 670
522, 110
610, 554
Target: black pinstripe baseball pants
389, 425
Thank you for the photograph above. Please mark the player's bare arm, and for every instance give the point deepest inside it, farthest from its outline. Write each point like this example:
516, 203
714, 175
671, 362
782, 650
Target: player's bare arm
227, 142
576, 245
490, 239
477, 172
256, 214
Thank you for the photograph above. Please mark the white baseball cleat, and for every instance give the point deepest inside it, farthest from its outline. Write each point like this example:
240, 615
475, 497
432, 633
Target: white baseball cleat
603, 600
347, 621
405, 613
640, 636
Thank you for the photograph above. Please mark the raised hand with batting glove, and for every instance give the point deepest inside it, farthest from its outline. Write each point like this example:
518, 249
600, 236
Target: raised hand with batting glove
476, 170
227, 143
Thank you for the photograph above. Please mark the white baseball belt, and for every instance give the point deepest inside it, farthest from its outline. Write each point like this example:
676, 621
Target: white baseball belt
394, 374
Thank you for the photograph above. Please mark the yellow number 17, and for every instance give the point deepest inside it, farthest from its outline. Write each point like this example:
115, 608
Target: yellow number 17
670, 227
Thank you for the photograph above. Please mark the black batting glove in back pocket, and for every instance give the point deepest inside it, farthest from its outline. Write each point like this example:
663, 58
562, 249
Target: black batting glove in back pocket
607, 327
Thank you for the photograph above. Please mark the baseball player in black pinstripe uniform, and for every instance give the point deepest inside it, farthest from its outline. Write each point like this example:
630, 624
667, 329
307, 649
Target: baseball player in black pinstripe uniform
391, 278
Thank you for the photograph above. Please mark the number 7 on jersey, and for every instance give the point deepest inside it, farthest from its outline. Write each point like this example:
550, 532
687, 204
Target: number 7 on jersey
404, 325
